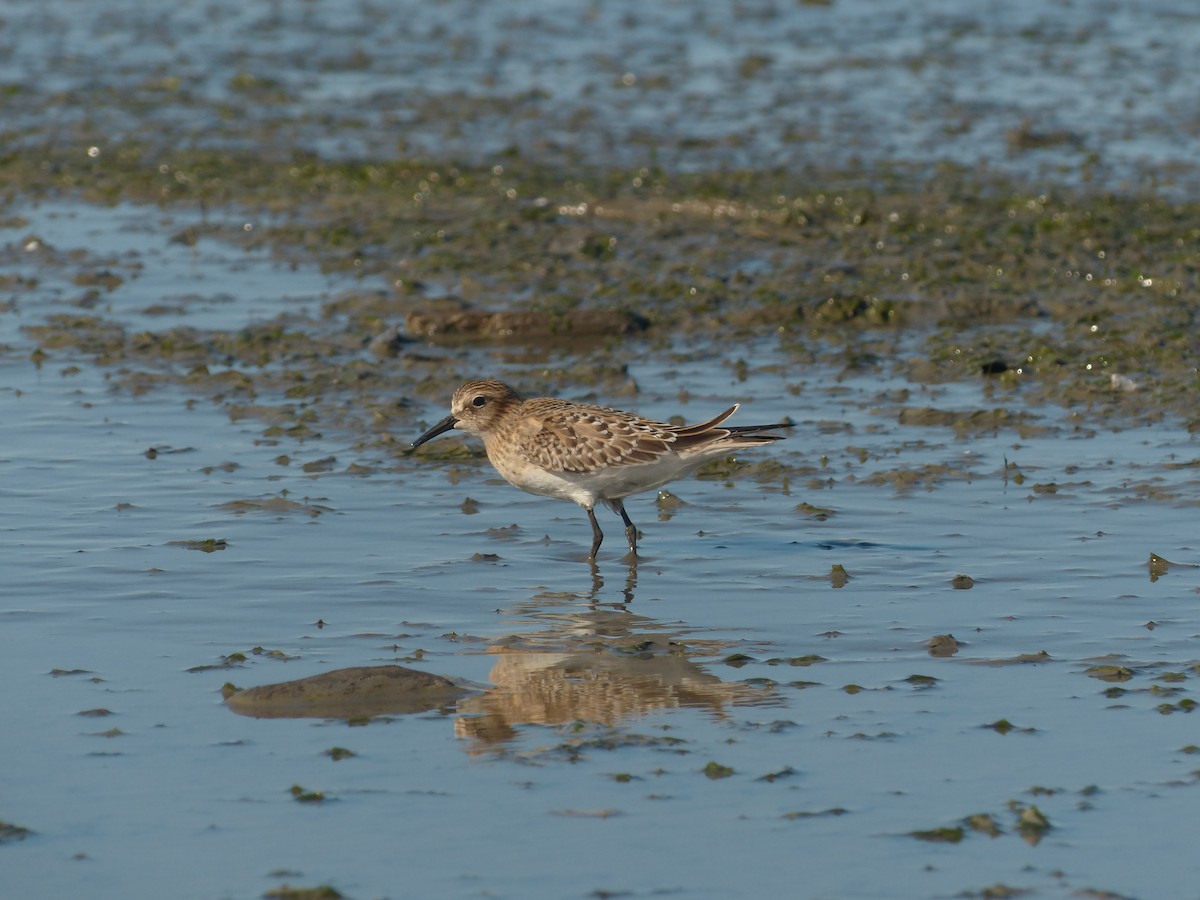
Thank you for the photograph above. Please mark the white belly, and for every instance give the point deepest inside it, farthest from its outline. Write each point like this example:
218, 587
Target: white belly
603, 484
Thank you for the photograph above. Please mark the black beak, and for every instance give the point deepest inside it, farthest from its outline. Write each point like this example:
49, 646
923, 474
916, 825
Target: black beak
440, 428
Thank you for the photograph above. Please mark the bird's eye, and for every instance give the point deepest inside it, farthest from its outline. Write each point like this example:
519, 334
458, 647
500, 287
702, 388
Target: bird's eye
479, 401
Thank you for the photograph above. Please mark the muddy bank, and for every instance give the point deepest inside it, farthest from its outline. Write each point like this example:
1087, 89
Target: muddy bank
1084, 302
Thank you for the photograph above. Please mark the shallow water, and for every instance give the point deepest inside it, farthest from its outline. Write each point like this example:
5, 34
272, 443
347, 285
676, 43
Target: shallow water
1095, 93
580, 767
728, 718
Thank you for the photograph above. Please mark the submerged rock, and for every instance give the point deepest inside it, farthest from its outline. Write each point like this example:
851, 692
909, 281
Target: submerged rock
358, 692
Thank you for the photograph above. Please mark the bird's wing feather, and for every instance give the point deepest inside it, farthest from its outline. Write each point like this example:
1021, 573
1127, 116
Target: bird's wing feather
704, 428
585, 439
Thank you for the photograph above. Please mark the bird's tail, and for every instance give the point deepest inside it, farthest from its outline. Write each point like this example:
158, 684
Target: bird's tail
714, 433
746, 435
753, 429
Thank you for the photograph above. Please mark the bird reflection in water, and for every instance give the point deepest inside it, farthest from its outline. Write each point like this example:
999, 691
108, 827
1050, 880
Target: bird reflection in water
604, 665
627, 592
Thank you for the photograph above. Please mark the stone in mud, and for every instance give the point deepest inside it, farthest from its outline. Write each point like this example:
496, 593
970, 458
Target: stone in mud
354, 693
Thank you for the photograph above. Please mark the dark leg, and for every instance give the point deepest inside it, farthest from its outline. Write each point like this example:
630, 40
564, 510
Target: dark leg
597, 534
618, 506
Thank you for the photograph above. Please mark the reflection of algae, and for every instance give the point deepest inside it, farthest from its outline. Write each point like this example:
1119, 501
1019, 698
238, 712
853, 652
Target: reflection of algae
303, 795
287, 892
772, 777
230, 661
805, 814
207, 545
1003, 726
921, 681
11, 832
59, 673
1159, 566
808, 660
819, 513
1032, 824
944, 835
984, 824
1020, 659
586, 813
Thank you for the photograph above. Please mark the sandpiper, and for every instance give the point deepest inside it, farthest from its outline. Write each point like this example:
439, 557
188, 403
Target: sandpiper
588, 454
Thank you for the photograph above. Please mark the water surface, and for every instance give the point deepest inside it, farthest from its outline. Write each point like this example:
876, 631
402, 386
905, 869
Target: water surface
731, 717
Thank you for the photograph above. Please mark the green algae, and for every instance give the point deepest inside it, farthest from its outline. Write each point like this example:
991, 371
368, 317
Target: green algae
772, 777
810, 814
303, 795
10, 832
921, 681
818, 513
983, 823
290, 892
808, 660
204, 545
714, 771
944, 835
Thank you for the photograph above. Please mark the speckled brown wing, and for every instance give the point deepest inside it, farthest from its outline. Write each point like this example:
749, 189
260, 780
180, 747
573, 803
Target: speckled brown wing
583, 439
